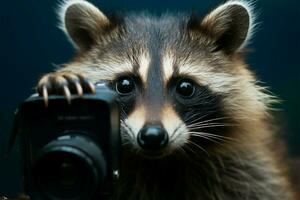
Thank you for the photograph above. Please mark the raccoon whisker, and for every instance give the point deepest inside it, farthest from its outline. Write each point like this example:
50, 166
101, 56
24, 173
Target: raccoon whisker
212, 139
214, 119
197, 127
193, 119
125, 140
207, 123
209, 126
175, 131
124, 113
128, 130
188, 148
125, 136
200, 127
220, 137
182, 152
210, 134
198, 146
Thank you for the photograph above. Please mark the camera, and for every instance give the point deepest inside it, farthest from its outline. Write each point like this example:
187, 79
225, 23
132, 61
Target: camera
70, 151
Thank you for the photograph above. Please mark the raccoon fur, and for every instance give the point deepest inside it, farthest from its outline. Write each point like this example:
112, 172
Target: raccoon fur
195, 123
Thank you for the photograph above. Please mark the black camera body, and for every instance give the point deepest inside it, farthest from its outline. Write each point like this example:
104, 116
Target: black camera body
70, 151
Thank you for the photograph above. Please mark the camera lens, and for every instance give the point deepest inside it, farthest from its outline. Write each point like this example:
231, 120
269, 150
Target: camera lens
71, 167
68, 174
58, 175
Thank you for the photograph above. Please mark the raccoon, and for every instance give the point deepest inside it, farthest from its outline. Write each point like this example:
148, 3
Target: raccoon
195, 123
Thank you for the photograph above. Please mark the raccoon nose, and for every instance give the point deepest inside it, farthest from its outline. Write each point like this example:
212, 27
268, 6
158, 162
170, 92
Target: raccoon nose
152, 137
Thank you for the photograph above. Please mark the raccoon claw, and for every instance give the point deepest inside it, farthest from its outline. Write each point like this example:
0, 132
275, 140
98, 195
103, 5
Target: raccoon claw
67, 93
79, 89
87, 84
64, 83
92, 87
45, 95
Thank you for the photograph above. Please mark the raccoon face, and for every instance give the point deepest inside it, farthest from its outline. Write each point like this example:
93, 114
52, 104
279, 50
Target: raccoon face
181, 80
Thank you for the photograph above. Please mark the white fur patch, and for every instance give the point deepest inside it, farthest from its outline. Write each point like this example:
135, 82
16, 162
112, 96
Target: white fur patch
144, 61
110, 70
217, 81
100, 71
136, 120
175, 127
167, 65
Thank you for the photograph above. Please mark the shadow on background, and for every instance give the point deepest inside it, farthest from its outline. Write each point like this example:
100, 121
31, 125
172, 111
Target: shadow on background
31, 43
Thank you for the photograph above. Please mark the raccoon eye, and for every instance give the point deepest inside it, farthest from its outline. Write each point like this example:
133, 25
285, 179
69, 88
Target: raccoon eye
185, 88
125, 85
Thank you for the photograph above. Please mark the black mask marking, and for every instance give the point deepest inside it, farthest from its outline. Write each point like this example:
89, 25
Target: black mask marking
203, 106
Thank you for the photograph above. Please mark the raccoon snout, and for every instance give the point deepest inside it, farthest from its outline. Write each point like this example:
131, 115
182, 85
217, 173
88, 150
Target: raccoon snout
153, 137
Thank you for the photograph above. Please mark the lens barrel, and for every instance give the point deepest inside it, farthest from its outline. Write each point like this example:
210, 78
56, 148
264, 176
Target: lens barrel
72, 167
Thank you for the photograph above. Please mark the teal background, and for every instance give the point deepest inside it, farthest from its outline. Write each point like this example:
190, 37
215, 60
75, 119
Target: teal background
30, 43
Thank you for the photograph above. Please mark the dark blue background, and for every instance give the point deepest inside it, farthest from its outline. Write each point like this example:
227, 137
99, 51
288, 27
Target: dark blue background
30, 43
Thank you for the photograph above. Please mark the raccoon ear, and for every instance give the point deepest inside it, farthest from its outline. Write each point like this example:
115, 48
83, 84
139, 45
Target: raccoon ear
82, 22
230, 25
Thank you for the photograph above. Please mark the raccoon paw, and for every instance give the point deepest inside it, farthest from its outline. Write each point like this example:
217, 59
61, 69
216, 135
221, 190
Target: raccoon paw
65, 83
